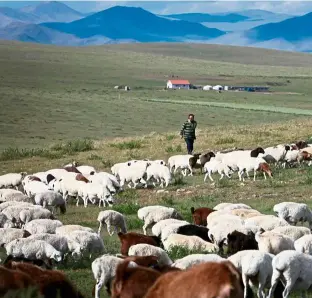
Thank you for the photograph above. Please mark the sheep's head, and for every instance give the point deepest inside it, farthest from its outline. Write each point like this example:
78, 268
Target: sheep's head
23, 174
256, 152
57, 256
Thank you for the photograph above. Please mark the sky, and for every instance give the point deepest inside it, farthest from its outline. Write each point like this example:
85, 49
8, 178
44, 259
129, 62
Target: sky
166, 7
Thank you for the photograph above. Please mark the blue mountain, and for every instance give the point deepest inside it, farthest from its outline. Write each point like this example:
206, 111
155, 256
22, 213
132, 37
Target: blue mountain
133, 23
292, 30
205, 17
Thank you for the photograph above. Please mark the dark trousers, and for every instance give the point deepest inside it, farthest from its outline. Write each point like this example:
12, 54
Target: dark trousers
189, 145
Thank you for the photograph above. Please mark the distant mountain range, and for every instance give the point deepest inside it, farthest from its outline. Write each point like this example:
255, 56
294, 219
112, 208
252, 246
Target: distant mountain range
205, 17
56, 23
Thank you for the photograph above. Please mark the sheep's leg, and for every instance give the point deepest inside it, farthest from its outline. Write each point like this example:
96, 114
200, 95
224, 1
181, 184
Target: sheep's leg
98, 286
191, 173
240, 176
109, 229
289, 285
255, 173
245, 282
78, 201
100, 228
274, 281
221, 177
145, 227
205, 178
264, 176
143, 182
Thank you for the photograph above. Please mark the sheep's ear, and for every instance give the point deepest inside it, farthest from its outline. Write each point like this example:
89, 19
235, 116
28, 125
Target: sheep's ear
261, 230
129, 164
13, 220
192, 210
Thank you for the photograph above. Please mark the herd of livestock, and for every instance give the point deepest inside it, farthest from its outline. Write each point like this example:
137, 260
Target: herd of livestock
233, 248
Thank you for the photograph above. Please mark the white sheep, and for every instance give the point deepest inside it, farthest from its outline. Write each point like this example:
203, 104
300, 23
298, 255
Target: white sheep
172, 228
291, 157
32, 249
59, 242
104, 270
304, 244
9, 234
12, 180
256, 269
221, 206
33, 187
153, 214
8, 191
266, 222
92, 191
90, 243
59, 173
18, 197
294, 269
195, 259
107, 180
143, 249
193, 243
13, 203
292, 232
159, 173
6, 222
180, 162
294, 212
30, 214
67, 229
223, 218
275, 154
113, 220
217, 166
13, 212
245, 213
86, 170
273, 243
39, 226
159, 226
134, 173
51, 199
254, 164
231, 206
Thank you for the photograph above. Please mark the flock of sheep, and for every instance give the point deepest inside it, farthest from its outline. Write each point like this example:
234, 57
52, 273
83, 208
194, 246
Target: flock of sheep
265, 249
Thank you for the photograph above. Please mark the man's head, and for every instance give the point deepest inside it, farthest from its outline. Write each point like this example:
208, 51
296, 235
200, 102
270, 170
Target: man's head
191, 117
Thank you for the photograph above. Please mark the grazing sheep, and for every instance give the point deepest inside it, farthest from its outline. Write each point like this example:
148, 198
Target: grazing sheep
13, 203
143, 249
90, 243
50, 283
304, 244
107, 180
204, 158
51, 199
195, 259
113, 220
33, 187
172, 229
39, 226
193, 230
266, 222
153, 214
199, 215
159, 226
30, 214
133, 173
273, 243
183, 162
207, 280
294, 269
67, 229
9, 234
275, 154
256, 269
217, 166
32, 249
237, 241
5, 191
12, 180
6, 222
213, 220
189, 242
294, 212
160, 173
245, 213
231, 206
129, 239
292, 232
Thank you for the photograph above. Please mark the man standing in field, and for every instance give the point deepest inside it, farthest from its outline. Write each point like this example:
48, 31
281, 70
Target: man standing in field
188, 132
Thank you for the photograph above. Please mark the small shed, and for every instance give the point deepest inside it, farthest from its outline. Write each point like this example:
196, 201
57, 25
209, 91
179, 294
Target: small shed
178, 84
217, 87
207, 87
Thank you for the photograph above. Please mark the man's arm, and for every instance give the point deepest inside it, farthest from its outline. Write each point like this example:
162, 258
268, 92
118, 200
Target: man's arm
182, 129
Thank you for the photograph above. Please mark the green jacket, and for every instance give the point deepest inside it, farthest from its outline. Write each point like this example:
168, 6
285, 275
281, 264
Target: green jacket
188, 130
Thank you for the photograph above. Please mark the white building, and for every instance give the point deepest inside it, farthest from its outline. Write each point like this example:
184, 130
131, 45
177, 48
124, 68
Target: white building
178, 84
207, 87
217, 87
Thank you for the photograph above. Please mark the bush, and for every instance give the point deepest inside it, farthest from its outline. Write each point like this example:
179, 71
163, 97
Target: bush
135, 144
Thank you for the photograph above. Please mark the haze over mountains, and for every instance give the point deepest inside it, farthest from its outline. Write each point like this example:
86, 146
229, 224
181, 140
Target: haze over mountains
56, 23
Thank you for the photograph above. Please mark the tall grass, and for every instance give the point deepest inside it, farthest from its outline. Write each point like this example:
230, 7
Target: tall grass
134, 144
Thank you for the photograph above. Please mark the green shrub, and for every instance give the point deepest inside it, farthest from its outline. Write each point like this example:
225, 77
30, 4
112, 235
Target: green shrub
134, 144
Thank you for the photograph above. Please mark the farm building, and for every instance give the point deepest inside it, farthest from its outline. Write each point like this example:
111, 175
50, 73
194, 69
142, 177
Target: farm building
178, 84
217, 87
207, 87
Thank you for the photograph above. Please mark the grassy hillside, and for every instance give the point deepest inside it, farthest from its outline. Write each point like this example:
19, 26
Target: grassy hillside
52, 97
50, 94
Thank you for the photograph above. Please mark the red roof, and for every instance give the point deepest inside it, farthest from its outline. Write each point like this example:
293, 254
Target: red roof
180, 82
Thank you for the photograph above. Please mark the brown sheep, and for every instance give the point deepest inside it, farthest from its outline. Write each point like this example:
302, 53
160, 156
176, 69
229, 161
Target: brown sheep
72, 169
200, 215
51, 283
135, 282
207, 280
129, 239
12, 280
80, 177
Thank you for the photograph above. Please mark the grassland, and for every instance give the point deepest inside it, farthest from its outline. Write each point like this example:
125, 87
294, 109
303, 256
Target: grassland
53, 98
